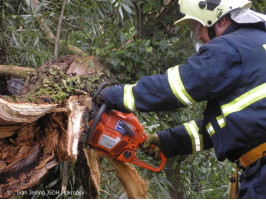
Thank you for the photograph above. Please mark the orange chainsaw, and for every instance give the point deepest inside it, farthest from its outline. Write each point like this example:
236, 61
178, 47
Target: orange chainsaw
118, 135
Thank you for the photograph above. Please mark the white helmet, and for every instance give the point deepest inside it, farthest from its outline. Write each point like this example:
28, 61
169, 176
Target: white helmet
208, 12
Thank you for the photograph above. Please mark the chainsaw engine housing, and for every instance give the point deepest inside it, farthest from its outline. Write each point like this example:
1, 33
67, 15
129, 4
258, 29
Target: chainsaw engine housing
118, 135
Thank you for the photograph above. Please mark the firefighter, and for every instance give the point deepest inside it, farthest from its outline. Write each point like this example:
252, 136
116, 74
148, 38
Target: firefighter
228, 72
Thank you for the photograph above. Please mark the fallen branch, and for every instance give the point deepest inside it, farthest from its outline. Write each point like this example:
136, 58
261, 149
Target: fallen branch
12, 70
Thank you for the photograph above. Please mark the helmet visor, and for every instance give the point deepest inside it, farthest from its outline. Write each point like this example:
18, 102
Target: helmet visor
194, 32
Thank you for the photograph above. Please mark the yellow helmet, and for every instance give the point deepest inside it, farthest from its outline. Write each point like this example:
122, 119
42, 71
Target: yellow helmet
208, 12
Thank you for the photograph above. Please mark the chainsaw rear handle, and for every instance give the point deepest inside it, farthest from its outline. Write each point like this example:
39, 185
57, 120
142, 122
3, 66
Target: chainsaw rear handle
135, 160
95, 122
94, 98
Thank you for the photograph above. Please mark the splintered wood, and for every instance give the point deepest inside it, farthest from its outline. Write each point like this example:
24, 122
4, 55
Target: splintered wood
94, 167
13, 113
76, 124
26, 158
35, 137
131, 180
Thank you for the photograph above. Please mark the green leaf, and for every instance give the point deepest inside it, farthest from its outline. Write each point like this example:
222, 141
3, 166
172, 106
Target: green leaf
122, 37
129, 68
147, 43
117, 4
121, 13
163, 45
115, 61
174, 164
8, 5
101, 13
128, 9
128, 3
14, 39
149, 49
38, 9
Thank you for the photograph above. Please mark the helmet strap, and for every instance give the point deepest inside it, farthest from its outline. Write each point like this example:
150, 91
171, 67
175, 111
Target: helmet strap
211, 33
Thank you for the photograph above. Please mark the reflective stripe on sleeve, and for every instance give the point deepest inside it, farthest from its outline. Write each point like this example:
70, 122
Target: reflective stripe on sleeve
129, 100
196, 138
210, 129
177, 86
221, 121
264, 46
242, 102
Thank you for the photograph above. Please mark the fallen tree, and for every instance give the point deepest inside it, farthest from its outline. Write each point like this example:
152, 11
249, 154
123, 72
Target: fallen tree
45, 125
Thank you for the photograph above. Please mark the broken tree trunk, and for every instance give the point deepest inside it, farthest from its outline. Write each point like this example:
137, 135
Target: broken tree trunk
46, 125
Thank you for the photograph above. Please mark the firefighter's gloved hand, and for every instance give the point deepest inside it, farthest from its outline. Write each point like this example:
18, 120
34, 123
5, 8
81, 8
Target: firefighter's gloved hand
152, 139
99, 100
100, 97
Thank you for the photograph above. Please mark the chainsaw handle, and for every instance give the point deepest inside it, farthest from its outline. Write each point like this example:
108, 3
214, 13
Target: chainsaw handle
94, 103
135, 160
97, 118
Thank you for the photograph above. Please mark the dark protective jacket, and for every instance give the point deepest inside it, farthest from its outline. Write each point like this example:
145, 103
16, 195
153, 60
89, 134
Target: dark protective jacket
230, 73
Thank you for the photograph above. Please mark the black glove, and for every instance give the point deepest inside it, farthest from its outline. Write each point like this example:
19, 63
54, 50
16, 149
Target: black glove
146, 147
98, 97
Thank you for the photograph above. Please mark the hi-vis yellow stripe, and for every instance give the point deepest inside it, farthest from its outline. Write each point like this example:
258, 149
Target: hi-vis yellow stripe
221, 121
264, 46
178, 87
129, 100
210, 129
196, 138
242, 102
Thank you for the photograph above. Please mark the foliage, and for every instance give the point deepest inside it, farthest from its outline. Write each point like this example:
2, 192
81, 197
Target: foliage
205, 177
259, 5
53, 85
136, 38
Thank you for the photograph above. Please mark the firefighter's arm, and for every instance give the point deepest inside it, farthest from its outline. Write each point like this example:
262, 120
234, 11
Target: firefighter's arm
150, 93
185, 139
181, 140
208, 75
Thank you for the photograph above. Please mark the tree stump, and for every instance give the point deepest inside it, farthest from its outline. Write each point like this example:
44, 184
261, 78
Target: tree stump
46, 124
